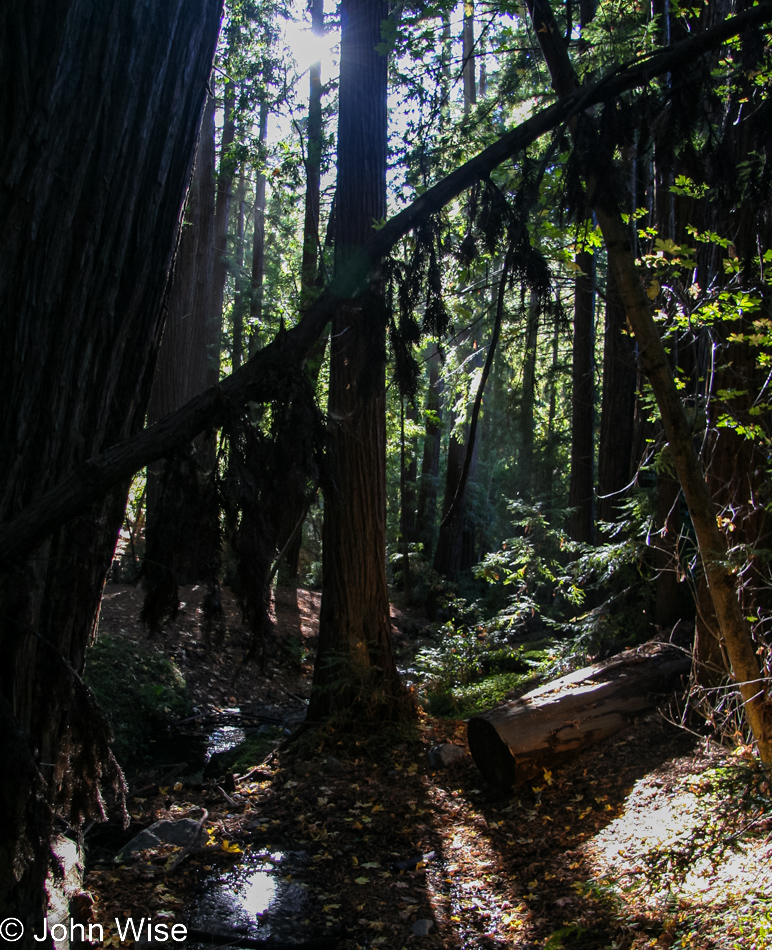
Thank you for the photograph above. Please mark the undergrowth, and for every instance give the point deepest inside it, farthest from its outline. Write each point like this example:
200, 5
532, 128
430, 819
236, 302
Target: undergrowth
141, 693
539, 606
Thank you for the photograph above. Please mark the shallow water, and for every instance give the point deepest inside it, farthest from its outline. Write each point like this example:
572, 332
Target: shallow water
223, 738
256, 899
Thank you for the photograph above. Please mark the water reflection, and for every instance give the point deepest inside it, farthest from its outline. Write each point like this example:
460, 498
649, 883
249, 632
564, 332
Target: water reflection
223, 738
253, 899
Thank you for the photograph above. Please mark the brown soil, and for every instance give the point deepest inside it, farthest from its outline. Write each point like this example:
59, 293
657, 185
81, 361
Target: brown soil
635, 844
222, 674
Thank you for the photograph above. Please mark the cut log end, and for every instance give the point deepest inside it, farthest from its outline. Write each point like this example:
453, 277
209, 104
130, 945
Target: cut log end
490, 753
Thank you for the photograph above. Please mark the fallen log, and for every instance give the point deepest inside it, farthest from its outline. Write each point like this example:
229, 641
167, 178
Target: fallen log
515, 742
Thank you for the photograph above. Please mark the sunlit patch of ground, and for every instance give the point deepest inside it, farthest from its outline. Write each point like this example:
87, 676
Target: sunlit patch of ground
692, 850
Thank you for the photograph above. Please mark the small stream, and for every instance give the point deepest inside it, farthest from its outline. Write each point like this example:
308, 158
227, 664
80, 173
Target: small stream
194, 743
259, 899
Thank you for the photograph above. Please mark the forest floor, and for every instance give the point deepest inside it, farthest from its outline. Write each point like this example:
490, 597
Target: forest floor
653, 839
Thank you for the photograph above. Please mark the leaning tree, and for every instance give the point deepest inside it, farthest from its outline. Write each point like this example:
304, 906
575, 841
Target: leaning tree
101, 103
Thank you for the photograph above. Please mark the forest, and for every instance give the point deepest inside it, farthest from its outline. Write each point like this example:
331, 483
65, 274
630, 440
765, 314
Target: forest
387, 383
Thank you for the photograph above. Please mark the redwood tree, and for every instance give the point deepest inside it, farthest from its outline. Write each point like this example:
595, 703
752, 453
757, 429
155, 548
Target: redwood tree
182, 518
580, 497
101, 104
355, 672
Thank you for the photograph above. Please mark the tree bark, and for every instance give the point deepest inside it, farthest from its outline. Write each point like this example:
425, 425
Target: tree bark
223, 202
581, 497
525, 467
617, 411
101, 104
314, 146
240, 299
552, 436
408, 469
258, 239
447, 557
355, 675
185, 368
470, 87
430, 459
514, 742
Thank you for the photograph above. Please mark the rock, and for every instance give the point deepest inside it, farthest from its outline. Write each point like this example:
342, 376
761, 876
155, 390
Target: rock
442, 755
422, 926
185, 832
145, 839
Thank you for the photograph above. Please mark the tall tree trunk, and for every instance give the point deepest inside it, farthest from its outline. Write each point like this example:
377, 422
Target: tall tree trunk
408, 469
430, 459
470, 87
223, 201
580, 496
182, 532
314, 146
455, 529
445, 76
184, 366
355, 674
482, 83
552, 437
101, 106
240, 301
615, 450
732, 625
447, 557
295, 511
528, 399
258, 238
